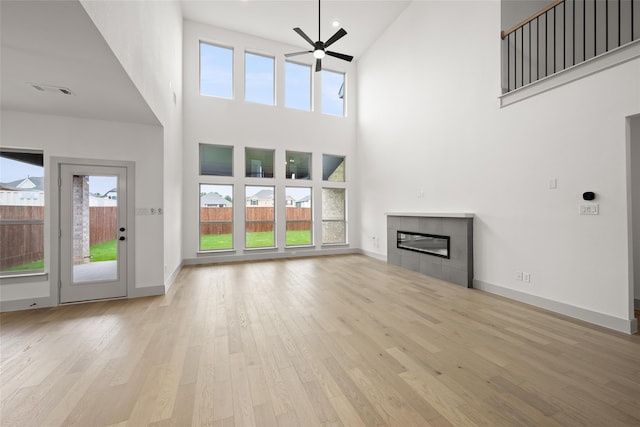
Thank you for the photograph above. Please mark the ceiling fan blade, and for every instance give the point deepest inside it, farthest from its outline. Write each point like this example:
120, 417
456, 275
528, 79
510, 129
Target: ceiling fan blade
297, 53
318, 65
334, 38
339, 55
304, 36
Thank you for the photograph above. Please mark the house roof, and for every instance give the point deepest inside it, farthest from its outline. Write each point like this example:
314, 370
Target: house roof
304, 199
213, 199
30, 183
263, 195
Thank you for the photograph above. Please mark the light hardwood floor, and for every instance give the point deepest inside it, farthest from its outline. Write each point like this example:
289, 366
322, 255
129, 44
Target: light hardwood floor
331, 341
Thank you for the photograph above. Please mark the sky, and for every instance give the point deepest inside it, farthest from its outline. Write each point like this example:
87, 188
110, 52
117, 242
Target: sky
226, 190
12, 170
216, 79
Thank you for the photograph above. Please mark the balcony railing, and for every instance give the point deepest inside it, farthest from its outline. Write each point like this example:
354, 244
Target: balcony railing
564, 34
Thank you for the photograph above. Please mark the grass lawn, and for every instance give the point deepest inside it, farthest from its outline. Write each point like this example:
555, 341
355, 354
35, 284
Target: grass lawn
105, 251
254, 240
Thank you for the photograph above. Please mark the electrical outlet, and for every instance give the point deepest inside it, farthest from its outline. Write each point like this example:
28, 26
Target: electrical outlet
526, 277
519, 276
592, 209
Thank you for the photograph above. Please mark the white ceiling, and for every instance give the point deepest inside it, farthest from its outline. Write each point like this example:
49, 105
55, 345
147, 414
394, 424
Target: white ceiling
364, 20
56, 43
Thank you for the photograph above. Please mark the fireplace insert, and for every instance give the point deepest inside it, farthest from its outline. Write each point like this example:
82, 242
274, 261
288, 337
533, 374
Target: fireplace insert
431, 244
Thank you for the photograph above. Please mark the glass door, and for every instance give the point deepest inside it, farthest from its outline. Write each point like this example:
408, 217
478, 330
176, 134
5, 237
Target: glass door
93, 232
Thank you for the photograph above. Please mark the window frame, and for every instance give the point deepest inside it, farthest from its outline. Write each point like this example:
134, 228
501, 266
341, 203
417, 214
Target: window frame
8, 222
201, 223
233, 53
344, 161
247, 158
343, 220
288, 174
310, 221
310, 109
204, 144
273, 77
247, 222
343, 90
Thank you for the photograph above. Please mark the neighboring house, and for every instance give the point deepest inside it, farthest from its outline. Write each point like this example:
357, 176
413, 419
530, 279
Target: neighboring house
111, 194
290, 201
305, 202
97, 200
261, 198
28, 191
214, 200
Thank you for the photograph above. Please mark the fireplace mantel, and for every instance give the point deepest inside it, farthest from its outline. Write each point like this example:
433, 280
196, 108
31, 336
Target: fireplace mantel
456, 227
432, 214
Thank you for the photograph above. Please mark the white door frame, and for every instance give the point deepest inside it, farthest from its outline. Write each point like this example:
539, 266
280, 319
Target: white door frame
55, 218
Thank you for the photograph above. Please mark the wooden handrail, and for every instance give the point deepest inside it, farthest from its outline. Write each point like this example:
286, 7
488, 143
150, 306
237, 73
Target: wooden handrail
504, 34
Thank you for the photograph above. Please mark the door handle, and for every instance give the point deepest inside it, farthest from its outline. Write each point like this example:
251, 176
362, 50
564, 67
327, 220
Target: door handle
122, 228
121, 238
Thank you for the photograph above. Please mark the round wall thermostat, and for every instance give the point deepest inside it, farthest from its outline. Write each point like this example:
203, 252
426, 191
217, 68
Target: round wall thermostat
588, 195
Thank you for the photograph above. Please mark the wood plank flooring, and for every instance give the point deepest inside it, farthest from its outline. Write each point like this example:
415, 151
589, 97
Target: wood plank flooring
330, 341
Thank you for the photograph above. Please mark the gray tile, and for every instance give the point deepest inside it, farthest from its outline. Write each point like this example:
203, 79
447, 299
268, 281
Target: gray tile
455, 275
430, 226
431, 266
454, 227
410, 260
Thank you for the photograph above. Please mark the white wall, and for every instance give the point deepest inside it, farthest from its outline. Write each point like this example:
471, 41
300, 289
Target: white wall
634, 127
146, 37
428, 120
242, 124
61, 136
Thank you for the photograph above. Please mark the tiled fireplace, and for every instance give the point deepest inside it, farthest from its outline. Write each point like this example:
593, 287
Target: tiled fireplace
436, 244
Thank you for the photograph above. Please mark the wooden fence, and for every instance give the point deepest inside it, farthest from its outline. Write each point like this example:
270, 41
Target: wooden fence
24, 243
102, 224
21, 243
222, 215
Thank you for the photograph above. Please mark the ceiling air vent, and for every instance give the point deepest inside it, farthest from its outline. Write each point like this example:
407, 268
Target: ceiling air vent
53, 89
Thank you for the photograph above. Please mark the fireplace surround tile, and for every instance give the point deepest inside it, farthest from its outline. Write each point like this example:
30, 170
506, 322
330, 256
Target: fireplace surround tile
458, 268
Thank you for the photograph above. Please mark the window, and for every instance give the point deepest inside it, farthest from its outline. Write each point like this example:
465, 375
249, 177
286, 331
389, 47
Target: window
298, 216
260, 217
216, 71
297, 86
332, 93
259, 163
298, 165
332, 168
22, 201
216, 217
259, 78
216, 160
334, 224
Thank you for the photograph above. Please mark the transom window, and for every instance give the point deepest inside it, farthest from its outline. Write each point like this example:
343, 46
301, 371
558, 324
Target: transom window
333, 93
216, 70
259, 78
297, 86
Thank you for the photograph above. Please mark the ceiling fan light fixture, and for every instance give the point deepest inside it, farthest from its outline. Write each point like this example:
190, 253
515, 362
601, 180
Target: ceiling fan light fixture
318, 53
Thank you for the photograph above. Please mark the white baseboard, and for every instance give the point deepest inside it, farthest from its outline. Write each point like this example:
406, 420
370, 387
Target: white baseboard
26, 304
147, 291
381, 257
172, 278
628, 326
258, 256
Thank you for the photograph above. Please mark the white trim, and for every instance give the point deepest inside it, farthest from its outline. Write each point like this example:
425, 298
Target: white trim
433, 214
591, 66
147, 291
27, 304
381, 257
54, 267
268, 255
628, 326
172, 278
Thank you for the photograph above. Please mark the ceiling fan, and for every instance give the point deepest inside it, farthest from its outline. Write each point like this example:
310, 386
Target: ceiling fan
319, 47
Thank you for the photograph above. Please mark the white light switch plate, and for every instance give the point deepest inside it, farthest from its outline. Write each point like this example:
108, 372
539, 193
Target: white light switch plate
592, 209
